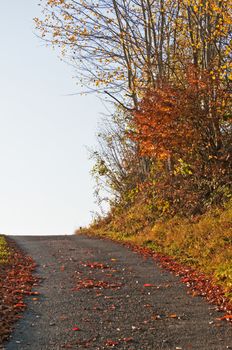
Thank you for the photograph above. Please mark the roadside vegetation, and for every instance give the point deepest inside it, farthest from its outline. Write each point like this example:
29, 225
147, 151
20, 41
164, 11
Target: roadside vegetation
164, 157
203, 243
4, 251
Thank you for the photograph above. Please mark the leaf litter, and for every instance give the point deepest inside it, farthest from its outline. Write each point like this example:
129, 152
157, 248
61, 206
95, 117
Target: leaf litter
16, 282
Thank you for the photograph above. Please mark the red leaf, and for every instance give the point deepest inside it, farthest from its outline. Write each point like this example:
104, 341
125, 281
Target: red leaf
185, 280
226, 317
111, 343
127, 339
19, 305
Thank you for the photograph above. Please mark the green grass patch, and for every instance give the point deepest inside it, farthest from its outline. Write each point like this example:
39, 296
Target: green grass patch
4, 251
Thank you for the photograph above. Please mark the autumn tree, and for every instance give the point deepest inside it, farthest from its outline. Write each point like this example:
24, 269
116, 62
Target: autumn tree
173, 124
168, 64
125, 46
119, 47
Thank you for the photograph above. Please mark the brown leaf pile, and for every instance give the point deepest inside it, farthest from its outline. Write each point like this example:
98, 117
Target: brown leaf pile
16, 281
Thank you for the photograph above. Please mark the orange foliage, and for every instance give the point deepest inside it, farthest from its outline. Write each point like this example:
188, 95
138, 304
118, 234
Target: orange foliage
188, 129
161, 126
175, 121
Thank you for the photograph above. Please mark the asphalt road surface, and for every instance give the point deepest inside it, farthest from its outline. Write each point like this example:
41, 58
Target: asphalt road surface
95, 294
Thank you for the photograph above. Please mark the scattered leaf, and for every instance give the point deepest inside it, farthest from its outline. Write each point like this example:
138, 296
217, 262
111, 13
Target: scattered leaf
111, 343
149, 285
127, 340
225, 317
19, 305
173, 316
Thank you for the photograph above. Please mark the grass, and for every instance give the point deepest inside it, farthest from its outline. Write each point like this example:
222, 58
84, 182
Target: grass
4, 252
204, 243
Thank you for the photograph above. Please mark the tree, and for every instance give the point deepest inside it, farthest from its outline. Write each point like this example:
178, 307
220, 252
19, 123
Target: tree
168, 63
128, 46
122, 46
172, 123
117, 168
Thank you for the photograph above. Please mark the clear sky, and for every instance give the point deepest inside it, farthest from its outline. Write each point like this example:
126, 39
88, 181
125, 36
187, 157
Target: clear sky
45, 181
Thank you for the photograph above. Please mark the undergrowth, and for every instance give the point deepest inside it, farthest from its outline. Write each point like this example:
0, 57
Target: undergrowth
4, 252
203, 242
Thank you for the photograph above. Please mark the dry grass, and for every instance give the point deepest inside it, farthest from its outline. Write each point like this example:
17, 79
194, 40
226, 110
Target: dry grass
204, 243
4, 252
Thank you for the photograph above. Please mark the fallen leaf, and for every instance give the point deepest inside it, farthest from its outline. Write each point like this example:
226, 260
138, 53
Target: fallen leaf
173, 316
185, 279
111, 343
19, 305
147, 305
96, 265
225, 317
156, 317
91, 284
127, 340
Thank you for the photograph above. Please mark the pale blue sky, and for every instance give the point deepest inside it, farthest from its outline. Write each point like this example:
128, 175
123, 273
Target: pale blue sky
45, 184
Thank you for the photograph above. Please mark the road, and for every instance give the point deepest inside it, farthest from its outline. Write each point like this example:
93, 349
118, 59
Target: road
97, 294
